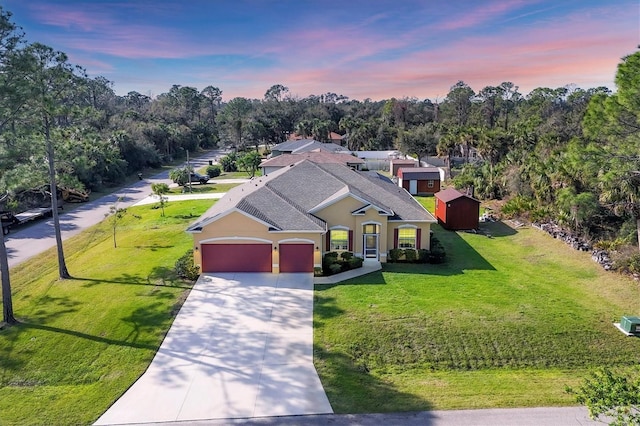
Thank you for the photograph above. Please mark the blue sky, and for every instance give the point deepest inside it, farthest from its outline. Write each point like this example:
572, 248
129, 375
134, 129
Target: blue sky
374, 49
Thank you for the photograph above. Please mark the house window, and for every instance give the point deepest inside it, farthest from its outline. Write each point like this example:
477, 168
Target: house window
407, 238
370, 228
339, 239
430, 184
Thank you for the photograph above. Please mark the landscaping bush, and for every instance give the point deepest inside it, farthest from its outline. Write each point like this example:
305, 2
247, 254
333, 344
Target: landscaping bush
394, 255
333, 263
186, 268
346, 255
355, 262
437, 253
410, 255
423, 255
213, 171
335, 268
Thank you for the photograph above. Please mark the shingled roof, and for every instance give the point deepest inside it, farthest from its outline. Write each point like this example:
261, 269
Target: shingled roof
451, 194
320, 157
286, 199
420, 173
306, 145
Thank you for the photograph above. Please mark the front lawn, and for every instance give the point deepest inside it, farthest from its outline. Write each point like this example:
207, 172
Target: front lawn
82, 342
508, 321
211, 187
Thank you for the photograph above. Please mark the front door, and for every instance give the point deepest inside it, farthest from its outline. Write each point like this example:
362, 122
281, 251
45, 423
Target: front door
371, 246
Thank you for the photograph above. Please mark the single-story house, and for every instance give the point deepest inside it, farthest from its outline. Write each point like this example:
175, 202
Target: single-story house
333, 137
419, 180
285, 221
395, 164
305, 145
319, 157
457, 211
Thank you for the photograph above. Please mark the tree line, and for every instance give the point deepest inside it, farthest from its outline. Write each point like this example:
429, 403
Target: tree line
565, 154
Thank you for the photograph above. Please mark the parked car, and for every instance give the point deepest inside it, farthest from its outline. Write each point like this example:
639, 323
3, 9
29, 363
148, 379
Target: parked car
197, 177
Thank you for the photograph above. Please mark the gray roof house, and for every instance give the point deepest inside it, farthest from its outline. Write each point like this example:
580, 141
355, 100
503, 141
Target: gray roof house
285, 221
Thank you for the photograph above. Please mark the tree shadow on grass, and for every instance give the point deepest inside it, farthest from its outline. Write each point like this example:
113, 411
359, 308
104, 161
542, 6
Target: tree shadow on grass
158, 277
30, 325
324, 307
152, 247
352, 388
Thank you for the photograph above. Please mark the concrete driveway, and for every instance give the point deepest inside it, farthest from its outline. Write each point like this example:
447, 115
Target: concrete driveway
240, 347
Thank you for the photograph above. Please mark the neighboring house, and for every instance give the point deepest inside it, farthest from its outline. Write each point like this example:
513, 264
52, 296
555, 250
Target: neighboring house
318, 157
305, 145
396, 164
457, 211
287, 220
378, 160
333, 137
419, 180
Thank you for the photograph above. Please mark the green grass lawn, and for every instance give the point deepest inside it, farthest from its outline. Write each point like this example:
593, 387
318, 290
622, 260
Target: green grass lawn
82, 342
211, 187
507, 321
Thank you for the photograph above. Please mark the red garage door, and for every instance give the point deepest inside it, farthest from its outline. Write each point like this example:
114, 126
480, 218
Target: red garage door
296, 257
236, 258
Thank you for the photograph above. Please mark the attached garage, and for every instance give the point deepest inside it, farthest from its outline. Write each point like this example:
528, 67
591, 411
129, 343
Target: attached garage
296, 257
236, 258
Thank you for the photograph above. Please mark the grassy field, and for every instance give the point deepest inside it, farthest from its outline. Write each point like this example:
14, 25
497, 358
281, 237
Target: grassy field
507, 321
82, 342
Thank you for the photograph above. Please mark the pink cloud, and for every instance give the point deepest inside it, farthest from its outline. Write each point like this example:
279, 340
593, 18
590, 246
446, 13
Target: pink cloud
482, 14
542, 56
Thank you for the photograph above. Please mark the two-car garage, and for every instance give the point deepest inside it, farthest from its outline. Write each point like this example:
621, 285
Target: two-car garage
257, 257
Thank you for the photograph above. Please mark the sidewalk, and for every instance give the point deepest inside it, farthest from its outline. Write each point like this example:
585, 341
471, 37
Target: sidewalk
151, 199
368, 267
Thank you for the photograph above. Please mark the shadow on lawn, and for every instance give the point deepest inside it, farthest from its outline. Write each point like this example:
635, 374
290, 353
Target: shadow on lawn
29, 325
159, 277
350, 386
497, 229
353, 389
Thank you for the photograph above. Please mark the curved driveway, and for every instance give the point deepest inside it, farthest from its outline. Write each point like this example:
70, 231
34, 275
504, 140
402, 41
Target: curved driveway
240, 347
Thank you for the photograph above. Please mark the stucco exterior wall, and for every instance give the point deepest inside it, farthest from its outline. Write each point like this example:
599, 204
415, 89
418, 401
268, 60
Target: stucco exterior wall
236, 228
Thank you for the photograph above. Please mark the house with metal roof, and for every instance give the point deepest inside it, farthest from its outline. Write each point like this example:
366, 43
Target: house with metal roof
287, 220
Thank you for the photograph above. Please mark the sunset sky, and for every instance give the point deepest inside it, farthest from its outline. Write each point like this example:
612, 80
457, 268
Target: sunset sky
374, 49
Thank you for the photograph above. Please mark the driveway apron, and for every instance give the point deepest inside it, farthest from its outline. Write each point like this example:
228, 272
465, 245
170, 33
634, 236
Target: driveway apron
240, 347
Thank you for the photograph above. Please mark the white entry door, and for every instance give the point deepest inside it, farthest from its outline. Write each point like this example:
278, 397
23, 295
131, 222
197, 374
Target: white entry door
413, 187
371, 246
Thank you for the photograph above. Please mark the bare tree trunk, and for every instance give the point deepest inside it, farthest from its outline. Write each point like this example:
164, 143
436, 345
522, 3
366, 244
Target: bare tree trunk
7, 301
62, 266
638, 228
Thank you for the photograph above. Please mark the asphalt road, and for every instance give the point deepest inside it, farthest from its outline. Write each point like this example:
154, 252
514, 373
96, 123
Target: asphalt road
553, 416
31, 239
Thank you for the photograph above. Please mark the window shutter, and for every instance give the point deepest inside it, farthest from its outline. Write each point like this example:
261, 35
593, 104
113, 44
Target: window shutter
395, 238
328, 242
418, 238
350, 240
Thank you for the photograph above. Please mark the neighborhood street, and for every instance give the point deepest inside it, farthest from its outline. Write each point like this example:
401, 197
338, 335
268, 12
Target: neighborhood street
30, 240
